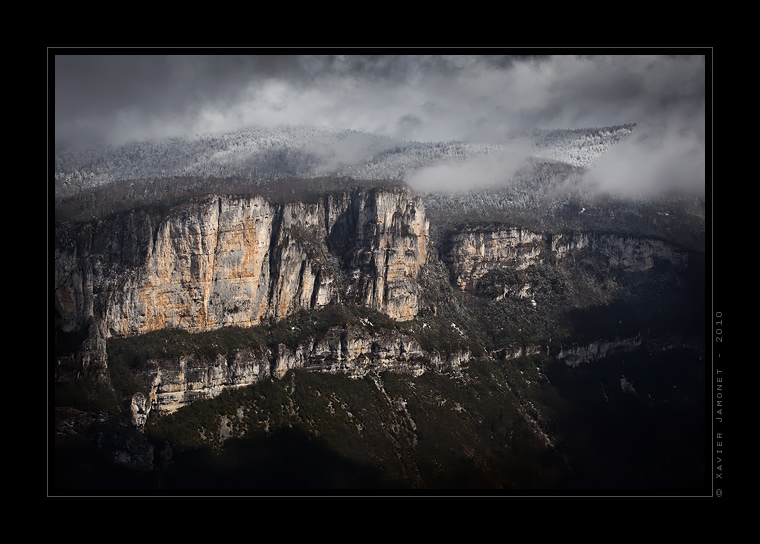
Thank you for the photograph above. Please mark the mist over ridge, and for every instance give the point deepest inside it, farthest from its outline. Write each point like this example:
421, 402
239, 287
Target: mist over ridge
607, 159
438, 122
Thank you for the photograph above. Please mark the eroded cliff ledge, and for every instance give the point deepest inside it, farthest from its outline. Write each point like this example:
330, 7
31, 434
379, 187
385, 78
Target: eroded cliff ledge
169, 383
231, 260
473, 252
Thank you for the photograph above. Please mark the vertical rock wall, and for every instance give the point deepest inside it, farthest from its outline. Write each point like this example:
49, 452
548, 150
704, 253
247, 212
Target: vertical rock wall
472, 253
224, 260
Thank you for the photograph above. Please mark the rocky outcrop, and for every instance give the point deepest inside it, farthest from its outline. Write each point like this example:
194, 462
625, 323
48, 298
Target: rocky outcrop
354, 351
389, 249
518, 351
177, 382
628, 253
474, 252
575, 355
229, 260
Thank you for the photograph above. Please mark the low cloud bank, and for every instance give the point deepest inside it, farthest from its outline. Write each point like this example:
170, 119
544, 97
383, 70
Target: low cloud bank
657, 158
485, 170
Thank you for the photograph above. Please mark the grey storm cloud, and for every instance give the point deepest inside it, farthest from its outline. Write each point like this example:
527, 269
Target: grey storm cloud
456, 96
115, 98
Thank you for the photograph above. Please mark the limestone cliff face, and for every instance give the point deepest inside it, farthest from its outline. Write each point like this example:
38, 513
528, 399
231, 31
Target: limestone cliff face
473, 253
629, 253
178, 382
225, 260
207, 266
354, 351
389, 248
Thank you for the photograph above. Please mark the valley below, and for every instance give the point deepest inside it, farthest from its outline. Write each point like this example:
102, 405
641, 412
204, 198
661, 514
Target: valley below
494, 427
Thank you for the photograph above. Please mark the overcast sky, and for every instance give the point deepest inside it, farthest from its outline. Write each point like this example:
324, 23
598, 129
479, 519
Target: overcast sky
116, 98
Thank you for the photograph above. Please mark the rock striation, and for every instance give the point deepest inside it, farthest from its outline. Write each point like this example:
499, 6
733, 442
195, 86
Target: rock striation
476, 251
353, 350
473, 252
232, 260
177, 382
626, 252
387, 248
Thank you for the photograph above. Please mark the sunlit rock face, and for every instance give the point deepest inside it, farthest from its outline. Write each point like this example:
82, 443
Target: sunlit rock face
224, 260
389, 249
206, 267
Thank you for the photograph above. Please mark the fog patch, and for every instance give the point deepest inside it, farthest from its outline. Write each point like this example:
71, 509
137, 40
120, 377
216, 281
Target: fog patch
486, 170
407, 125
352, 148
656, 159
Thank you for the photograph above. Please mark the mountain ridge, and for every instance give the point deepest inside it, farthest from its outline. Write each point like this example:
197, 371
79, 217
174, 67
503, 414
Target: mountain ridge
257, 153
530, 284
